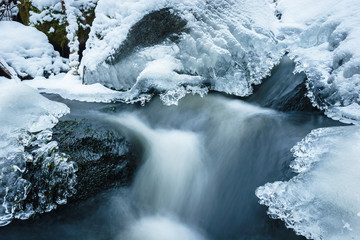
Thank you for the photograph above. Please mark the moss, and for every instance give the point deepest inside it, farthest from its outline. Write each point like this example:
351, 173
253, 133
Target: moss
57, 37
83, 32
89, 16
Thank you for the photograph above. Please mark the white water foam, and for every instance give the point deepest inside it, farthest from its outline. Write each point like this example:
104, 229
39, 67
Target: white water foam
172, 165
160, 228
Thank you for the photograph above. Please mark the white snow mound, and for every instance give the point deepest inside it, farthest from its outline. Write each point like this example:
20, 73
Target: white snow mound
28, 51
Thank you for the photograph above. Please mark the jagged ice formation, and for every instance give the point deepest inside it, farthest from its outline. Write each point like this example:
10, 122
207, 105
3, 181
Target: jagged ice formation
173, 47
322, 201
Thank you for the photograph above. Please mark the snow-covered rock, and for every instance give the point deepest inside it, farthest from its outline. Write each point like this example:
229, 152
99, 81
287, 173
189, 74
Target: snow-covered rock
323, 200
323, 38
28, 51
70, 87
163, 45
25, 143
227, 46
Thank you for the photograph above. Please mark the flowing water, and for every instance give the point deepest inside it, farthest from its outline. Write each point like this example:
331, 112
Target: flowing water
201, 163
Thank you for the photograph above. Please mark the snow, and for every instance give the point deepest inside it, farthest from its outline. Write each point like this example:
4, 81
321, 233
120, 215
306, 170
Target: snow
28, 51
70, 87
322, 37
229, 46
323, 200
22, 107
25, 119
7, 68
8, 10
54, 11
72, 14
232, 45
42, 4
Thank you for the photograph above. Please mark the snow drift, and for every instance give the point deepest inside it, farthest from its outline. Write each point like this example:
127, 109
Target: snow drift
28, 51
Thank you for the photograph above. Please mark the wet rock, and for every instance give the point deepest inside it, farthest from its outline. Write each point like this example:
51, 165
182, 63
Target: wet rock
103, 156
284, 90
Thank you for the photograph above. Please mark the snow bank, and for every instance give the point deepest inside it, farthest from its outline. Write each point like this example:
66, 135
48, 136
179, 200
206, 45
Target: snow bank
28, 51
70, 87
323, 38
25, 119
227, 45
19, 100
323, 201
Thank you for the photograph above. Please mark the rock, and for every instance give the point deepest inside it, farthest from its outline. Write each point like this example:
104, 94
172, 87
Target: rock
103, 156
152, 29
284, 90
6, 70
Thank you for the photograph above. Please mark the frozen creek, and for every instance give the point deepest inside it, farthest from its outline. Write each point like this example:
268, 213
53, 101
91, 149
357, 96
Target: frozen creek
201, 168
201, 164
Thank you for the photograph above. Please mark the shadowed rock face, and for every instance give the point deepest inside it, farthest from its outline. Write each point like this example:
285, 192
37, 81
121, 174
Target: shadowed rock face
103, 156
283, 90
152, 29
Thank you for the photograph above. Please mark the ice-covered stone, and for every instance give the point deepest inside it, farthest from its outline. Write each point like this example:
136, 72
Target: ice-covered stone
34, 176
138, 46
323, 200
323, 39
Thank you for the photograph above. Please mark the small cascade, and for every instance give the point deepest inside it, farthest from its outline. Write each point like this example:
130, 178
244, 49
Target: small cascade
172, 165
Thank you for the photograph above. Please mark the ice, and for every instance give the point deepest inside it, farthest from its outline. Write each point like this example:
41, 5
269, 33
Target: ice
322, 37
226, 46
323, 200
33, 173
70, 87
23, 107
72, 14
28, 51
167, 47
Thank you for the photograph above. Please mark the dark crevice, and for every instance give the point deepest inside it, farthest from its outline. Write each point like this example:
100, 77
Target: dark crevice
283, 90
